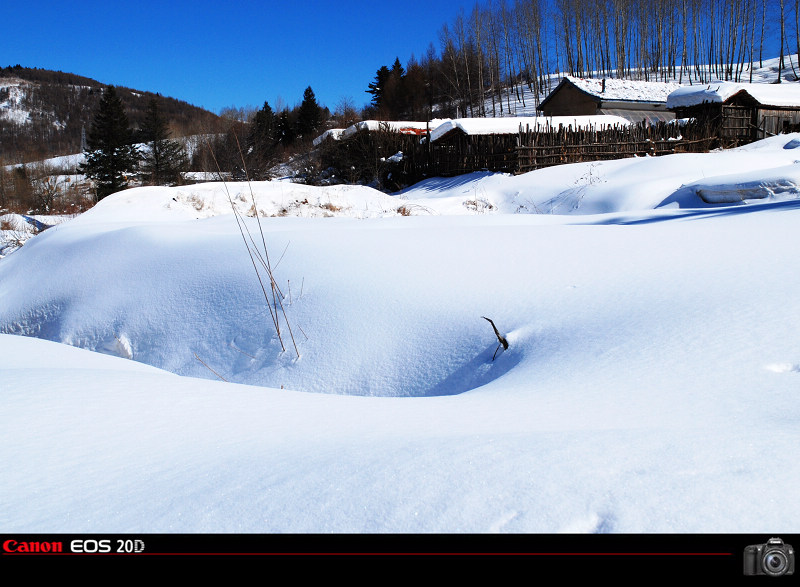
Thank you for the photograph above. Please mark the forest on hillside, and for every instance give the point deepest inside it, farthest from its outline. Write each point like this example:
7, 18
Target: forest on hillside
522, 42
61, 107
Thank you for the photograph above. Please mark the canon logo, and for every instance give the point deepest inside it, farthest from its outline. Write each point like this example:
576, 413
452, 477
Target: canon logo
14, 546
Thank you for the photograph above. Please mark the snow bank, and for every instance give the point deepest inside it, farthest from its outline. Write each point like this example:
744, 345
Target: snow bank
781, 95
623, 185
647, 370
334, 134
653, 358
270, 198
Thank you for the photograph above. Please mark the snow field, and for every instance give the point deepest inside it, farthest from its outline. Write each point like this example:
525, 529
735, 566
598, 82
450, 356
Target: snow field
650, 384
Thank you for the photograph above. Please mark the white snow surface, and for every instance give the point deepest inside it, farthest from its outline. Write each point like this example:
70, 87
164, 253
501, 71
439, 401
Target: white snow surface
624, 89
11, 107
650, 384
785, 94
623, 185
334, 134
511, 125
401, 126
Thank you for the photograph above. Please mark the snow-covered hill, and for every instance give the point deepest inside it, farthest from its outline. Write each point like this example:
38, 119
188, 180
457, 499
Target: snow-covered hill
521, 100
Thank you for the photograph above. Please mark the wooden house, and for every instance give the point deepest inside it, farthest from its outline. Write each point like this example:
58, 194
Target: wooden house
636, 101
737, 113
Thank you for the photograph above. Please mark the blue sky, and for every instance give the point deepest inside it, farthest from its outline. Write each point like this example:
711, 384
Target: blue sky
241, 53
216, 54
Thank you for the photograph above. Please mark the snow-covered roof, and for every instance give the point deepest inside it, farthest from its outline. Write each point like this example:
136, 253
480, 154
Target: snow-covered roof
401, 126
785, 94
624, 90
504, 126
331, 133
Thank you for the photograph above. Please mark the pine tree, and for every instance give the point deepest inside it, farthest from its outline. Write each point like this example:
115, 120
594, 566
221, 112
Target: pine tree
388, 91
165, 159
110, 153
377, 87
309, 116
284, 128
262, 140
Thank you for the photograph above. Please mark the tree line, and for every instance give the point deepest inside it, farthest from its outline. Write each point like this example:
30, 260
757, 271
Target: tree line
485, 58
257, 140
252, 145
112, 153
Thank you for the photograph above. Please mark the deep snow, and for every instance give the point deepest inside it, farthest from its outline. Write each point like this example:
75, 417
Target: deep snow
650, 384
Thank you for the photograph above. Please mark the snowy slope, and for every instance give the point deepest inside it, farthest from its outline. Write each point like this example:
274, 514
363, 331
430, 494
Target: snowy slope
522, 101
622, 185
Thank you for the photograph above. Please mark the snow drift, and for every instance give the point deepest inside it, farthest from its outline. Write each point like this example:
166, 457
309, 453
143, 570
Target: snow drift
650, 383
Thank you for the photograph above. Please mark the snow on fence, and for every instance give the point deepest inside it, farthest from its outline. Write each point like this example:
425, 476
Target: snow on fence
544, 146
372, 154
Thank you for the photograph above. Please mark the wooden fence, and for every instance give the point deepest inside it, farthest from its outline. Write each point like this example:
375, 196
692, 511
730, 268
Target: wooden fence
368, 156
538, 149
532, 149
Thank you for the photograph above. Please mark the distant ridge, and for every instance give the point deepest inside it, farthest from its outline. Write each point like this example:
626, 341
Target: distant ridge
43, 112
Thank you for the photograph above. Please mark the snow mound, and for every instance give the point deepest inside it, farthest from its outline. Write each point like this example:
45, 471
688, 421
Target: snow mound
779, 184
652, 361
623, 185
268, 198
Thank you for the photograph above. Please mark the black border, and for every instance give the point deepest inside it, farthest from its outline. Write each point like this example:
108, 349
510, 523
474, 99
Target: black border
675, 555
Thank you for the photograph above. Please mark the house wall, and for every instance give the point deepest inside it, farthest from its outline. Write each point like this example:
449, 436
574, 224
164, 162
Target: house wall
569, 101
638, 115
741, 120
773, 122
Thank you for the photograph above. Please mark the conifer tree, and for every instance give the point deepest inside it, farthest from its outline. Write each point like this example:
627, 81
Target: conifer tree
284, 128
262, 141
110, 151
165, 159
376, 88
388, 91
309, 116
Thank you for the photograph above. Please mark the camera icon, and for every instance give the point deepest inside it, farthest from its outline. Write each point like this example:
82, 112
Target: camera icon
773, 558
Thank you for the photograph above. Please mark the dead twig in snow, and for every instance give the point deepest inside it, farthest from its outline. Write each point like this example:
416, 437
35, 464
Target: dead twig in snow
500, 337
209, 368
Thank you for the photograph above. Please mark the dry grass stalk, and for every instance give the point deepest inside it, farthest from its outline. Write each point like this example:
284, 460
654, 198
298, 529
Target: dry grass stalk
259, 257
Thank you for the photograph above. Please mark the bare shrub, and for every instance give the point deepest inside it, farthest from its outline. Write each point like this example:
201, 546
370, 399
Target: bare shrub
330, 207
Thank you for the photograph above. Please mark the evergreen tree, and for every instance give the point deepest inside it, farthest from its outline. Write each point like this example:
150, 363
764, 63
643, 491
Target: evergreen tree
388, 91
262, 140
377, 87
284, 128
166, 159
309, 116
110, 153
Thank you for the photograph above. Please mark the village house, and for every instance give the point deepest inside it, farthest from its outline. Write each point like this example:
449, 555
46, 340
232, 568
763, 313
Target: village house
635, 101
738, 113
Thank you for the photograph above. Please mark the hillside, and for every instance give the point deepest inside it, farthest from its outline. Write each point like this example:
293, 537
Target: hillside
43, 112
